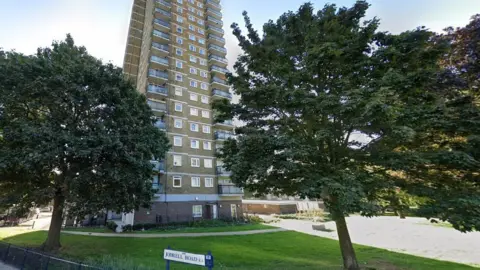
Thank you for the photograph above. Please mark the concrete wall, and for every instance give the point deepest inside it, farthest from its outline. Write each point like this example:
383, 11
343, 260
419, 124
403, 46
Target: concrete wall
279, 207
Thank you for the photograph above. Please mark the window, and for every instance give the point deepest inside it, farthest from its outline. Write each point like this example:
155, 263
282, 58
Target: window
202, 51
200, 5
193, 83
204, 86
195, 162
197, 211
178, 77
193, 59
199, 13
205, 114
191, 37
207, 145
179, 29
194, 111
204, 99
194, 127
195, 144
178, 107
200, 22
204, 74
177, 160
179, 40
195, 181
178, 91
207, 163
178, 123
178, 51
193, 96
201, 31
177, 181
191, 9
180, 1
191, 27
193, 70
177, 140
178, 64
191, 18
206, 129
203, 62
208, 182
201, 41
192, 48
179, 9
179, 19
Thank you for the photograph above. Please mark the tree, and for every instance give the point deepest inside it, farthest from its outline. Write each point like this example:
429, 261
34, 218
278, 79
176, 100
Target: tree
335, 110
75, 131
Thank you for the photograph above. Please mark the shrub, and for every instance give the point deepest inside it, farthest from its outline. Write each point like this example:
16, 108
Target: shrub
255, 219
127, 228
112, 226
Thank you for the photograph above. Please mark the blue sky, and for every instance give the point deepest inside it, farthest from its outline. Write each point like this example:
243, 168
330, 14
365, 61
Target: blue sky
101, 25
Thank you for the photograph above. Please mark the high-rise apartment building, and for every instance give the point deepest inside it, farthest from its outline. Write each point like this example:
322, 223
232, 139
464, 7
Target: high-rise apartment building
176, 56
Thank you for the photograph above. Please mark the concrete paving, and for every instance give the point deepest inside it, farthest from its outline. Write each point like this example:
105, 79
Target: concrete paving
6, 267
412, 235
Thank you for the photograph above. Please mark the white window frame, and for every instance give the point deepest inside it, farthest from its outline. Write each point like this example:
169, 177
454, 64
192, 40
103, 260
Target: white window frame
192, 48
206, 129
180, 1
204, 74
178, 91
177, 140
177, 160
204, 86
196, 181
195, 162
179, 40
193, 59
178, 107
208, 163
193, 97
201, 41
201, 22
194, 71
178, 64
178, 77
179, 52
192, 37
203, 62
179, 19
200, 5
179, 30
178, 123
205, 114
204, 99
197, 211
202, 51
194, 125
201, 31
191, 27
207, 145
208, 182
180, 9
194, 111
179, 178
193, 83
191, 18
195, 144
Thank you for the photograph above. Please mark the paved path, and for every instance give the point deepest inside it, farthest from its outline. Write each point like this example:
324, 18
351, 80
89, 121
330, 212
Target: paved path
6, 267
412, 235
169, 235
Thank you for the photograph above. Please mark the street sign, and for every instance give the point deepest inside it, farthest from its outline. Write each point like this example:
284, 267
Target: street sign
188, 258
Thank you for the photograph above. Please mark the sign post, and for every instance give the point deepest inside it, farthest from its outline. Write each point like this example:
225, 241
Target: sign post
187, 258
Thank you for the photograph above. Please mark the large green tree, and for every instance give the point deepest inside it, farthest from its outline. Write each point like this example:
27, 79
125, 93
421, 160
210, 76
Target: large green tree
75, 131
337, 111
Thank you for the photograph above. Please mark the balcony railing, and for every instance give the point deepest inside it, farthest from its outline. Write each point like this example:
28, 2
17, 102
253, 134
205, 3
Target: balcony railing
159, 46
219, 69
216, 29
218, 58
221, 93
165, 3
223, 171
212, 19
158, 166
218, 80
211, 10
163, 12
229, 190
226, 122
152, 88
162, 23
158, 74
157, 106
160, 124
161, 34
221, 135
217, 38
213, 3
217, 48
159, 60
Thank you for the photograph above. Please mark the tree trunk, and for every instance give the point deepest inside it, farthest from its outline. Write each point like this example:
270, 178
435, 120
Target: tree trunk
53, 238
348, 253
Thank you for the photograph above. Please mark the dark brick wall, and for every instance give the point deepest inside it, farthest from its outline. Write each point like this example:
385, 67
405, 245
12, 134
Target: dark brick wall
267, 209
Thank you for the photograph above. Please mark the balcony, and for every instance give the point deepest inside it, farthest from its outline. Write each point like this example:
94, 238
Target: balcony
222, 171
216, 39
161, 34
158, 166
217, 48
164, 3
160, 125
155, 73
161, 47
217, 58
162, 23
158, 187
159, 60
157, 89
230, 190
214, 12
221, 93
215, 29
157, 106
218, 69
211, 19
225, 123
222, 135
163, 13
219, 81
214, 4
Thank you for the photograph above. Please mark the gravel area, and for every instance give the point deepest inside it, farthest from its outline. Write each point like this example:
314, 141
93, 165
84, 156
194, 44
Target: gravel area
412, 235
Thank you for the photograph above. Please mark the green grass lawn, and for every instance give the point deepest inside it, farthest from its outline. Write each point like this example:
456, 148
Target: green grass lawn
89, 229
281, 250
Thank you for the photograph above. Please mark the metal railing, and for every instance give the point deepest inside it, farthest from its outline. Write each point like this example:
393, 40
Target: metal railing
216, 29
219, 69
159, 60
158, 166
226, 122
159, 46
157, 106
212, 19
218, 80
152, 88
213, 3
24, 258
217, 38
162, 22
218, 58
223, 135
158, 73
217, 48
165, 3
222, 170
161, 34
229, 190
221, 93
161, 11
211, 10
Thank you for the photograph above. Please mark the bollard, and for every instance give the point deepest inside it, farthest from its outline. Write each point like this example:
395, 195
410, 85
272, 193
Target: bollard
33, 225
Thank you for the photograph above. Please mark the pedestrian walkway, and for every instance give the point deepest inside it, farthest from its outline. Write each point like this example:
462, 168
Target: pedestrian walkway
171, 235
6, 267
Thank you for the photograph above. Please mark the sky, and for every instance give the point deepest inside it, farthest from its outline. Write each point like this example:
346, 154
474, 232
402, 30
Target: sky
102, 25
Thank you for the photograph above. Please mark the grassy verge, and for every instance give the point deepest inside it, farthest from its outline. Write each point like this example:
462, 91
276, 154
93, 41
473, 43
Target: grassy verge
233, 228
282, 250
89, 229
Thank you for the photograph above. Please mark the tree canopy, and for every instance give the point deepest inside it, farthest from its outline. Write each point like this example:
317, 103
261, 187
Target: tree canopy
75, 131
338, 111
